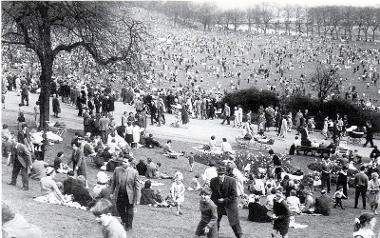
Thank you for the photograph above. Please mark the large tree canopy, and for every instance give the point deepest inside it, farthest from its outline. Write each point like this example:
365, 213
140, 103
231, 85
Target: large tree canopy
104, 29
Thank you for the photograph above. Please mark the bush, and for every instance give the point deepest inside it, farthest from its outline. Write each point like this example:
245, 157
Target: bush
252, 99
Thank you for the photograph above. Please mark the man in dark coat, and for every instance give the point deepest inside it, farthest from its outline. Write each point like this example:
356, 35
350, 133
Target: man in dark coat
22, 162
56, 105
224, 195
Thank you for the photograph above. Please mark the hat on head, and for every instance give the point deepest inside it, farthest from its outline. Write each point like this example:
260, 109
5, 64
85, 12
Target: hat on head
102, 177
222, 170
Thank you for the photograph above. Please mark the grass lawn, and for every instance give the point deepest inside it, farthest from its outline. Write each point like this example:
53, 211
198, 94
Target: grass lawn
59, 221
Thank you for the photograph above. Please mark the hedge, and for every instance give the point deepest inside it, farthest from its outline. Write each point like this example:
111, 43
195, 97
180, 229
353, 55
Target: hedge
252, 99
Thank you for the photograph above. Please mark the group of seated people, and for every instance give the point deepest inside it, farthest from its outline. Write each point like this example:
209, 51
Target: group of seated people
262, 191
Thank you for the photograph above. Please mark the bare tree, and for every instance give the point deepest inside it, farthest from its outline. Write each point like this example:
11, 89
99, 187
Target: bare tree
206, 14
348, 21
300, 18
288, 11
309, 22
266, 16
103, 29
327, 80
375, 22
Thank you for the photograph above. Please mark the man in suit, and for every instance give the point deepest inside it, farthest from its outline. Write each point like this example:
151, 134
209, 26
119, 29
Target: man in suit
224, 195
226, 114
361, 185
22, 162
125, 191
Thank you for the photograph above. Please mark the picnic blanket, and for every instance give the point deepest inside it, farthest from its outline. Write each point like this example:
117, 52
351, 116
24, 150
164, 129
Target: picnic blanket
52, 200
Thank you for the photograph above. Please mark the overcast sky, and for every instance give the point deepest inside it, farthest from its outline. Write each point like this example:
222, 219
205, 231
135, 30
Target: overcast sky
242, 4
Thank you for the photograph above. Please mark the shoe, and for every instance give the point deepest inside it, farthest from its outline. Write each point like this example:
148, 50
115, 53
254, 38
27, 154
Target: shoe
12, 184
25, 189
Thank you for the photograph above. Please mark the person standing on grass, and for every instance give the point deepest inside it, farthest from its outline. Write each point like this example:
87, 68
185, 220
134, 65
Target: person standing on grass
208, 224
369, 135
326, 171
361, 185
21, 160
226, 114
124, 190
56, 105
177, 192
373, 192
224, 195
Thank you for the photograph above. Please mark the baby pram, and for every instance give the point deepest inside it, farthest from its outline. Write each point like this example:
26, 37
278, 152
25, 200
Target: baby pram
354, 136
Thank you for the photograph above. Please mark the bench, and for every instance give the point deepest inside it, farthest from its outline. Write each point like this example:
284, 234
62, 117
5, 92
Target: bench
314, 151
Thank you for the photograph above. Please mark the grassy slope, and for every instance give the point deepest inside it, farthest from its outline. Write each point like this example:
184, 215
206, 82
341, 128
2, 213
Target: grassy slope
59, 221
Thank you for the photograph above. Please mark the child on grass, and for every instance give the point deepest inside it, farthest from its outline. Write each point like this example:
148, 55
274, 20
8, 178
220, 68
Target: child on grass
208, 224
177, 192
112, 228
338, 195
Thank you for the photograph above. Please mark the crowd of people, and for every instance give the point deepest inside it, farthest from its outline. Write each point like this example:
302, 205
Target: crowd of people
199, 64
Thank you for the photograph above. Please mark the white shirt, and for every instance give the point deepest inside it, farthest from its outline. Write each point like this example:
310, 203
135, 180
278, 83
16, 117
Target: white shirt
226, 147
210, 173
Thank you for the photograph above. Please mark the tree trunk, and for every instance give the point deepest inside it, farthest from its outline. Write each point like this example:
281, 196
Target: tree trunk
373, 34
45, 80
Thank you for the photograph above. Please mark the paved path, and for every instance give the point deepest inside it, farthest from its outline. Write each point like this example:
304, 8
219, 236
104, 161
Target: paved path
197, 131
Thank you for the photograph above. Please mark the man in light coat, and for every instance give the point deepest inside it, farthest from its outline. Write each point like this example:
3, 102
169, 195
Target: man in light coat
125, 191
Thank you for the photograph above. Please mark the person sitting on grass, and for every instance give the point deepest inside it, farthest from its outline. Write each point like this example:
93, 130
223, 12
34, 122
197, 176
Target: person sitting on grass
77, 188
226, 147
49, 188
112, 228
141, 167
167, 149
151, 169
212, 143
150, 142
15, 226
322, 204
147, 195
294, 203
38, 170
309, 207
58, 163
208, 224
258, 212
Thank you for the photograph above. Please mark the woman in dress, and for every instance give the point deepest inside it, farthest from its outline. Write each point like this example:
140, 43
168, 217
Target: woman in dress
373, 192
136, 133
49, 188
281, 215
